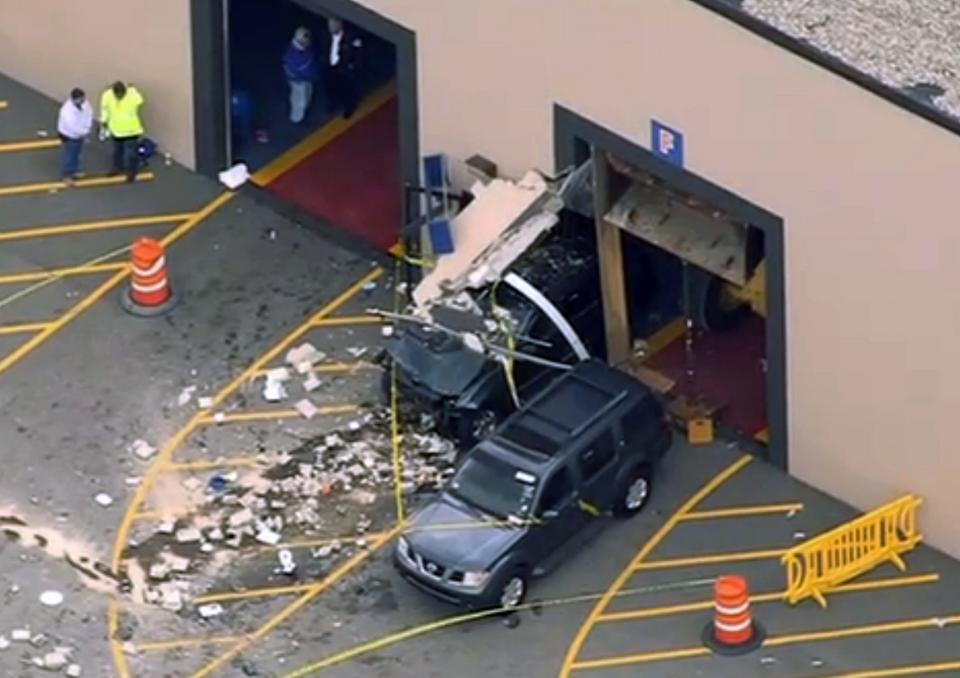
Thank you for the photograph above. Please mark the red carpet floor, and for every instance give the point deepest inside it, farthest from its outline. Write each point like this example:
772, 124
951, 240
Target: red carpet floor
727, 371
354, 181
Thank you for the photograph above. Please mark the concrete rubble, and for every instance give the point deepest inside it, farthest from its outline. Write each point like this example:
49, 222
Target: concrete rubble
331, 485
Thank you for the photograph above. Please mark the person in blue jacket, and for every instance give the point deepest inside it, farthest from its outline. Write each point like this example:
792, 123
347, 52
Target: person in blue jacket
300, 67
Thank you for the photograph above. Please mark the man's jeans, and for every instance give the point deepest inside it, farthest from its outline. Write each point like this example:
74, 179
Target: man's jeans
70, 164
125, 160
301, 93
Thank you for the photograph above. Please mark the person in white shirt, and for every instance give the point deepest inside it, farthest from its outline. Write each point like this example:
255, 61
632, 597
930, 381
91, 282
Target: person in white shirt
73, 126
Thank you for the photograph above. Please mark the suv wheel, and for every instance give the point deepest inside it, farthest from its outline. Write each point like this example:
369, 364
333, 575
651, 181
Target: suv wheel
512, 591
634, 493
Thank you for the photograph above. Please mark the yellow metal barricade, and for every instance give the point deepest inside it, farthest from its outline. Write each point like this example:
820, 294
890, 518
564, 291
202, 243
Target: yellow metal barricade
826, 561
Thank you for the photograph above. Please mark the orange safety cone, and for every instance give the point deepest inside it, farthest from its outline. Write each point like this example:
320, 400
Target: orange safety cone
150, 293
733, 630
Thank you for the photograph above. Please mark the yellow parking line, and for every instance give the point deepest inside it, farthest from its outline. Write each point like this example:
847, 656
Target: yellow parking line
273, 414
169, 449
23, 328
322, 137
712, 559
252, 593
3, 105
776, 641
329, 368
900, 671
38, 145
314, 591
664, 336
93, 226
48, 186
206, 465
116, 648
325, 541
702, 606
578, 641
185, 643
34, 276
349, 320
742, 511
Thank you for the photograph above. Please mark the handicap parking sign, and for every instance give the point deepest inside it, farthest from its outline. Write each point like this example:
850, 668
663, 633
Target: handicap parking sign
667, 143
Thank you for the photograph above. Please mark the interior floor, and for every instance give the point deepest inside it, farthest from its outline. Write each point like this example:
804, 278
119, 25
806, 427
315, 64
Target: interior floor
260, 31
366, 199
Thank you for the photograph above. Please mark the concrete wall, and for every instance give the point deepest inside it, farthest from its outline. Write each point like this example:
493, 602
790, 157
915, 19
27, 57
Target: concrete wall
868, 193
54, 46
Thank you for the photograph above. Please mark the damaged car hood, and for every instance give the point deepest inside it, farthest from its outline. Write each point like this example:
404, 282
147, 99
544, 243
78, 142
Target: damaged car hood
474, 547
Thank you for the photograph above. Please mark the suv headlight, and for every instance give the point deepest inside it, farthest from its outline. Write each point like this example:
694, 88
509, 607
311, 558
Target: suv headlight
476, 579
403, 548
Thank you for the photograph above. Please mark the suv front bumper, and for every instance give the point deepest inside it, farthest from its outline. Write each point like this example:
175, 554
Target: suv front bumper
454, 595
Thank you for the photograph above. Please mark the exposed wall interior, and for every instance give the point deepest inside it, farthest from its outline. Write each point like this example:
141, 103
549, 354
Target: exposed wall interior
866, 191
54, 46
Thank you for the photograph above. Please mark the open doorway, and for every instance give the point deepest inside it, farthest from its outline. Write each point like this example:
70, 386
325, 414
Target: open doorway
345, 168
693, 282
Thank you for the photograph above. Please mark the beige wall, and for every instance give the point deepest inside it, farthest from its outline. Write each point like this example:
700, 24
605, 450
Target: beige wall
868, 193
54, 45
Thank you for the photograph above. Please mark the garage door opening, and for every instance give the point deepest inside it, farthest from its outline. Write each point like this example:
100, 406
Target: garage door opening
330, 146
692, 286
695, 300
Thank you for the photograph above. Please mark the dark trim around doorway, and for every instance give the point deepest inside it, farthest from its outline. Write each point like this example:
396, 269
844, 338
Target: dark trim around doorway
210, 79
574, 135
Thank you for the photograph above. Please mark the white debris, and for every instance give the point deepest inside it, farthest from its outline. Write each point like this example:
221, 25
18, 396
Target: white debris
356, 351
939, 622
211, 610
287, 563
159, 571
51, 598
387, 330
178, 563
363, 497
235, 177
74, 671
206, 547
205, 402
170, 597
132, 481
54, 661
240, 518
219, 417
166, 527
142, 449
216, 534
306, 409
280, 374
186, 395
304, 354
103, 499
188, 535
4, 642
21, 635
799, 535
192, 483
311, 383
267, 536
274, 391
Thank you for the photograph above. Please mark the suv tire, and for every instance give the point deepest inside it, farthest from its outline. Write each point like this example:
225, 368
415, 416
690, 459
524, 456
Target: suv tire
509, 590
633, 493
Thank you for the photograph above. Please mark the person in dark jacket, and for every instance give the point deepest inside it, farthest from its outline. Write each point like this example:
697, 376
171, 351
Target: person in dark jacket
300, 67
342, 69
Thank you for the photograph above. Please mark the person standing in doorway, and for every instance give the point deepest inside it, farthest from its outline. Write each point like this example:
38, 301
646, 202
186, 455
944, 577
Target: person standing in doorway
300, 67
342, 71
120, 119
73, 126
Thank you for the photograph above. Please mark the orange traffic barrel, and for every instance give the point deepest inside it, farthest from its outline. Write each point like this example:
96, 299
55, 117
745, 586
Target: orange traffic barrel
150, 292
733, 630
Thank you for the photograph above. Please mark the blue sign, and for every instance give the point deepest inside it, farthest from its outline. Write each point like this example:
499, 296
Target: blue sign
667, 143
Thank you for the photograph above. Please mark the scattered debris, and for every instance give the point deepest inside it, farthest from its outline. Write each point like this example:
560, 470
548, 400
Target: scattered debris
21, 635
357, 351
188, 535
304, 357
103, 499
205, 402
287, 563
311, 383
192, 483
170, 597
274, 391
186, 395
799, 535
306, 409
178, 563
4, 642
267, 536
142, 449
51, 598
55, 661
387, 331
74, 671
211, 610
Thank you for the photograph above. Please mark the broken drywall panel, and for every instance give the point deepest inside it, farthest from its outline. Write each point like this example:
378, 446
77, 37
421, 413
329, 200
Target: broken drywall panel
496, 207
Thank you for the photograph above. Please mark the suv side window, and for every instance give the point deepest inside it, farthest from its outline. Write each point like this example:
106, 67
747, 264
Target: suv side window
558, 488
640, 424
595, 458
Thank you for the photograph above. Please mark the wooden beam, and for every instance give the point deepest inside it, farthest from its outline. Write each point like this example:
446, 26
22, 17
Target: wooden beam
613, 287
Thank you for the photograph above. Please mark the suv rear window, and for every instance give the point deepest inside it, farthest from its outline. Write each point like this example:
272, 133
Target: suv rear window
595, 458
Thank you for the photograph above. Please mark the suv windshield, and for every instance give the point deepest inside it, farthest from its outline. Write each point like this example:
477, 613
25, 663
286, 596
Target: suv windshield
494, 487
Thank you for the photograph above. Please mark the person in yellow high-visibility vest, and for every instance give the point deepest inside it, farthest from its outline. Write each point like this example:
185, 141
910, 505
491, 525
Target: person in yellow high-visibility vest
120, 119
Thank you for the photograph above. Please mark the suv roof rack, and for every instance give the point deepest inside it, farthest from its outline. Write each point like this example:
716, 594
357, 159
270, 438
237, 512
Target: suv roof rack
562, 411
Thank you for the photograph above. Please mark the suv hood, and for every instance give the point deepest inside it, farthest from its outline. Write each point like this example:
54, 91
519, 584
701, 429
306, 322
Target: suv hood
473, 547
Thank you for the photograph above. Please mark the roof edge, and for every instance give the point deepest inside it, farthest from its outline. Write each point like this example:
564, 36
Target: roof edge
831, 63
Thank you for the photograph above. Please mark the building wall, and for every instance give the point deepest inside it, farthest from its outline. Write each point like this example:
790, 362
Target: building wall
54, 46
867, 192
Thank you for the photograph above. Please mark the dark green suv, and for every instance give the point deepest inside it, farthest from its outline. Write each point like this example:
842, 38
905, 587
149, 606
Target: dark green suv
586, 446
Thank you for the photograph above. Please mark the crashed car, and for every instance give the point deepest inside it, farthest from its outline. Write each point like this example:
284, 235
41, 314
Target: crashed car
587, 446
550, 301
